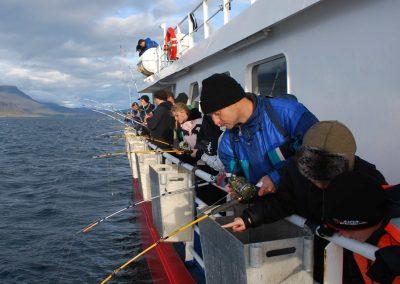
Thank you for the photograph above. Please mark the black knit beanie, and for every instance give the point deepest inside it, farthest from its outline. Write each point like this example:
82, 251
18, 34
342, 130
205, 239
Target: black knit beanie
354, 200
218, 92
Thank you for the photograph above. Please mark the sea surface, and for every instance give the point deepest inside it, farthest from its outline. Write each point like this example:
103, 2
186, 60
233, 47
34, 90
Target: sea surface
51, 188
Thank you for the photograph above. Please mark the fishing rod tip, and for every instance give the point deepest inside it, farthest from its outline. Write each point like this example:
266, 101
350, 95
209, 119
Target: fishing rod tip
90, 227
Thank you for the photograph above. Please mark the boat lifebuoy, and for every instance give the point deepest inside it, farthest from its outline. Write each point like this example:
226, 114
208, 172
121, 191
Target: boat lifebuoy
171, 44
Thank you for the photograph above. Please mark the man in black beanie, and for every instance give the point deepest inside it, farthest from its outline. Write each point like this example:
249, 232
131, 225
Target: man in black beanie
358, 207
161, 123
262, 133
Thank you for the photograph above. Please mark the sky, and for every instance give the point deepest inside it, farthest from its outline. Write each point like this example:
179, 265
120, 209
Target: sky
64, 50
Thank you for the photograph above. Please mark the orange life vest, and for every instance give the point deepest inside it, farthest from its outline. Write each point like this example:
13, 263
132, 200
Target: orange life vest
390, 238
171, 44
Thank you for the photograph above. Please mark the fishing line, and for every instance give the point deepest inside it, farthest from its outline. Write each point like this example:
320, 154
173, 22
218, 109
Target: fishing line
67, 248
73, 239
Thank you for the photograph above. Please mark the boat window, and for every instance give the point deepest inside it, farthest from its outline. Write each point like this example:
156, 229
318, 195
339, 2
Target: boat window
194, 95
270, 77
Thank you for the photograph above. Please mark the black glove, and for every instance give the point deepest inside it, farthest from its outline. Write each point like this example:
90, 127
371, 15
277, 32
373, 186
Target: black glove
320, 230
386, 267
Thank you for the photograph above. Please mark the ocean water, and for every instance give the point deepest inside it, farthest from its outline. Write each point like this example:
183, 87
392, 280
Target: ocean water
50, 188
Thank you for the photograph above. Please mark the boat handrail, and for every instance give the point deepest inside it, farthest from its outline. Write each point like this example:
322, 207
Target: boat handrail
186, 41
364, 249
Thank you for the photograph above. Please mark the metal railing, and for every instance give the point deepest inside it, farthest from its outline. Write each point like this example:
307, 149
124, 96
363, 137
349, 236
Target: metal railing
186, 40
364, 249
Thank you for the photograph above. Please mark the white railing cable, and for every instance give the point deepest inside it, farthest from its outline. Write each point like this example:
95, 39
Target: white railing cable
363, 249
199, 173
205, 22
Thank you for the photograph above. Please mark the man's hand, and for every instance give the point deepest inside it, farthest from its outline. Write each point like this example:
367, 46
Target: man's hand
193, 154
266, 187
237, 225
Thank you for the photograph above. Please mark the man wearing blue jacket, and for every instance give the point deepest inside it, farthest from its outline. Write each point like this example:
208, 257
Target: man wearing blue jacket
262, 133
145, 44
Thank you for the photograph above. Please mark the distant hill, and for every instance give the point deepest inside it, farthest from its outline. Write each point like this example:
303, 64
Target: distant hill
14, 102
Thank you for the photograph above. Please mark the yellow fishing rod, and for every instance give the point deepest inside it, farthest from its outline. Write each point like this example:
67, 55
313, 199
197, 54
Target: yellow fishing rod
213, 209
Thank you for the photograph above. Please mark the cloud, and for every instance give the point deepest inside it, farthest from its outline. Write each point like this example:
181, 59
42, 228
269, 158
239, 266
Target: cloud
59, 50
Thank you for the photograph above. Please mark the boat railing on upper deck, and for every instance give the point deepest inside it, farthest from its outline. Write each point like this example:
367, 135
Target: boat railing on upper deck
213, 15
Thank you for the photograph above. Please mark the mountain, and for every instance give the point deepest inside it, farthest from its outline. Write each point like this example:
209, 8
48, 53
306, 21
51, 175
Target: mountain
14, 102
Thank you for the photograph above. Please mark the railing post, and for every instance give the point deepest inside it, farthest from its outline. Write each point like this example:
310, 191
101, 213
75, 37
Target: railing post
160, 54
205, 19
179, 39
190, 35
333, 264
227, 12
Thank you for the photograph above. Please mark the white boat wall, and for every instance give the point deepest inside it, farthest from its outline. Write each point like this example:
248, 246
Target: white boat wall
339, 58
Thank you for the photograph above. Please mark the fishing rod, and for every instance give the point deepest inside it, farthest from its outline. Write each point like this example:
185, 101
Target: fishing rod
122, 153
111, 109
245, 192
90, 227
104, 106
198, 218
114, 112
149, 138
109, 133
113, 117
125, 116
106, 114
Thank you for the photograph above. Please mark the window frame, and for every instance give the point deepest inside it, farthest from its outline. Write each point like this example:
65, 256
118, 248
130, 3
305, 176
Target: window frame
253, 76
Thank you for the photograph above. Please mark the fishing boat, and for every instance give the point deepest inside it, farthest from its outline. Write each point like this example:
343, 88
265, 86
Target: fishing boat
339, 58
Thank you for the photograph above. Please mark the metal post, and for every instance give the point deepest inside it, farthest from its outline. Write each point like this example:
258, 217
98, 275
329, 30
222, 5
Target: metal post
205, 19
164, 28
160, 54
227, 12
333, 264
190, 35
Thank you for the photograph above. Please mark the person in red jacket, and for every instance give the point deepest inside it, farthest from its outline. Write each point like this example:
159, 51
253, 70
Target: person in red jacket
357, 207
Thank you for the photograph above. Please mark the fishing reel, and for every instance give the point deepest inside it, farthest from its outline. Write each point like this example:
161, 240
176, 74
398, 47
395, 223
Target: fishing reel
241, 187
184, 146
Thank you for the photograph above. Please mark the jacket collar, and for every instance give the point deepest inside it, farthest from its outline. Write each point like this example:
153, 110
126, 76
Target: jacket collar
253, 124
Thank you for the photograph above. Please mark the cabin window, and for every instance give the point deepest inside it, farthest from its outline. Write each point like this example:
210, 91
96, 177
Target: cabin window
194, 94
270, 77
